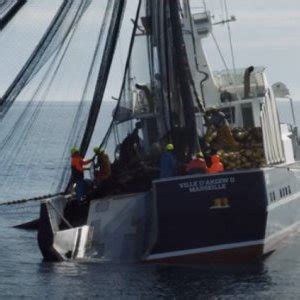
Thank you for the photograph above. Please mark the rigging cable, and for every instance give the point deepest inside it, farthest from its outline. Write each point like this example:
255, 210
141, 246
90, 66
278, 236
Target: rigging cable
158, 41
106, 137
167, 59
230, 36
206, 76
231, 50
185, 78
107, 58
220, 52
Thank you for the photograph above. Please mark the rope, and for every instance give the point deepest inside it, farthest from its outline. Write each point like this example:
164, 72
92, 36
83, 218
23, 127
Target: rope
220, 52
230, 36
22, 201
127, 65
200, 104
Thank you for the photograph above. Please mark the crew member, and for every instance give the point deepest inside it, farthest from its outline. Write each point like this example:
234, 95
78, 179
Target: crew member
218, 130
146, 98
168, 163
102, 166
197, 165
77, 167
131, 146
216, 165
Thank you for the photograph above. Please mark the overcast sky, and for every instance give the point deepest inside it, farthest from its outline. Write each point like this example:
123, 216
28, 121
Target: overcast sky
266, 33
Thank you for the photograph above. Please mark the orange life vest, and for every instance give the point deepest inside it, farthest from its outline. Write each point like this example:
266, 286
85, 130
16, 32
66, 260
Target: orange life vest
77, 164
216, 165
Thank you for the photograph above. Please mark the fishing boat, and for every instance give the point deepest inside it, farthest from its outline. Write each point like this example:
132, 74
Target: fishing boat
168, 88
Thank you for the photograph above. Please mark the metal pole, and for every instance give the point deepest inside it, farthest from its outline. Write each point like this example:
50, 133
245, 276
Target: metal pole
293, 111
62, 217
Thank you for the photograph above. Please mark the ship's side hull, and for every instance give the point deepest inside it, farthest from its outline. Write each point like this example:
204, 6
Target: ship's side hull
116, 228
229, 217
283, 210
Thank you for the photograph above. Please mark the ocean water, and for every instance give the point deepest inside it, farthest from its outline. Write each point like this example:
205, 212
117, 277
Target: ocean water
24, 274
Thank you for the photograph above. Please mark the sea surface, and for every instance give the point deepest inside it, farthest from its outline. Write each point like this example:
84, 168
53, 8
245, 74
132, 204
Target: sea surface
24, 274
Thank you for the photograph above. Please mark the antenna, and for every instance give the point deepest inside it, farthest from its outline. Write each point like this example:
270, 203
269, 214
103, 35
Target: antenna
232, 19
204, 5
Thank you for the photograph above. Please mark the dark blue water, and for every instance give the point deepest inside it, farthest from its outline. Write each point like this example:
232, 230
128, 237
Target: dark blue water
23, 274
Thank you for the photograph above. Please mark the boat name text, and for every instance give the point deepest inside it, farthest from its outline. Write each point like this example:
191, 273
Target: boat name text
207, 185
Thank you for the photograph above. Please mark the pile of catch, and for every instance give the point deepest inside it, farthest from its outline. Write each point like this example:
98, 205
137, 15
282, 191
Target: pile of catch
239, 148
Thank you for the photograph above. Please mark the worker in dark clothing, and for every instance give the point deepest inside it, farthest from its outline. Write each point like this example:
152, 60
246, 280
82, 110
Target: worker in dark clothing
197, 165
129, 149
215, 117
216, 165
218, 131
146, 96
77, 167
102, 166
168, 165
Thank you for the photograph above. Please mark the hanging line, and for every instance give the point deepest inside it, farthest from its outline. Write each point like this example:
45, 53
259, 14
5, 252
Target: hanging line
231, 49
106, 137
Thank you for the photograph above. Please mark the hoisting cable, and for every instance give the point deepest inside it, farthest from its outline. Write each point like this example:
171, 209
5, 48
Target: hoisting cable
107, 58
206, 76
167, 62
184, 76
230, 37
220, 52
106, 137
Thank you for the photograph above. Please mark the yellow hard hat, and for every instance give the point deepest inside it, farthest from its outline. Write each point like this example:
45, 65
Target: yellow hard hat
170, 147
199, 155
98, 150
74, 150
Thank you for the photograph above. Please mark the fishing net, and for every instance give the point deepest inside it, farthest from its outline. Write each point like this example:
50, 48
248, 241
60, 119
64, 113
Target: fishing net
134, 94
62, 28
50, 101
7, 9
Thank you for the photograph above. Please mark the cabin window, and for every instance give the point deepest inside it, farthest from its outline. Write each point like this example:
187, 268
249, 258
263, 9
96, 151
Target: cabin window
247, 114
